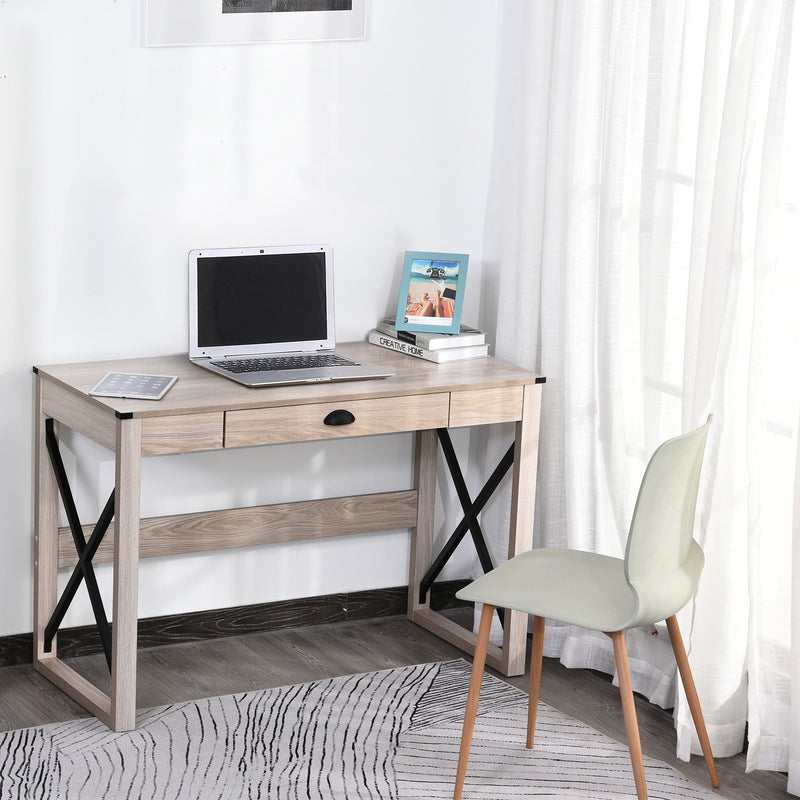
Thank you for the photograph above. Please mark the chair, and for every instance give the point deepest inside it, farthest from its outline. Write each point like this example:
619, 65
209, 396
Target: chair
657, 577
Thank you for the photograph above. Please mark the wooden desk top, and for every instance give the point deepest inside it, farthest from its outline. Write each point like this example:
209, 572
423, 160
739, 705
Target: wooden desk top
198, 390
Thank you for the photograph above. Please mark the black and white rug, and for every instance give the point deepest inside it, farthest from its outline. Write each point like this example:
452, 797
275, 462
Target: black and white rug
380, 735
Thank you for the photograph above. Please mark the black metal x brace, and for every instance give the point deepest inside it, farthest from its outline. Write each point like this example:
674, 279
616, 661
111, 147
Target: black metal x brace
86, 550
471, 510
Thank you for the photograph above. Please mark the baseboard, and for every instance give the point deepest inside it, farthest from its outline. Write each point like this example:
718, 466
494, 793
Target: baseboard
174, 629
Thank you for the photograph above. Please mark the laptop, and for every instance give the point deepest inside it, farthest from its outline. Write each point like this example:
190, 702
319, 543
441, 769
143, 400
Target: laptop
263, 316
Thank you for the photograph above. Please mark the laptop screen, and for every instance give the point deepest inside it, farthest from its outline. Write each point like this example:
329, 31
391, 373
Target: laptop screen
260, 300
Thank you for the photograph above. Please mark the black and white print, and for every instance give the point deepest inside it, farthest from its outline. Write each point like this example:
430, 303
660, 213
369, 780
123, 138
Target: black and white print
273, 6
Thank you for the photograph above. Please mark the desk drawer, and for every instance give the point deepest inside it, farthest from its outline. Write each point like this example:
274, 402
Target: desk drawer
306, 423
485, 406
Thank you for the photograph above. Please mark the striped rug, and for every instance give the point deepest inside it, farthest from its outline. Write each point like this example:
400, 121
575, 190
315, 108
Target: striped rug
390, 734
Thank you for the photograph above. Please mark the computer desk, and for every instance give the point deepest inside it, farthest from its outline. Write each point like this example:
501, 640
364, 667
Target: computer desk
205, 412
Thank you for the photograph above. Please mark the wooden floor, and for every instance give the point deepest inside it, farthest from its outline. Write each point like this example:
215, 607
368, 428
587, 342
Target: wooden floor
278, 658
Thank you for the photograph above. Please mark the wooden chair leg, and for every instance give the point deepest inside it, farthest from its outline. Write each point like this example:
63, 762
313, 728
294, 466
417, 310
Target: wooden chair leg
537, 648
629, 712
478, 663
691, 695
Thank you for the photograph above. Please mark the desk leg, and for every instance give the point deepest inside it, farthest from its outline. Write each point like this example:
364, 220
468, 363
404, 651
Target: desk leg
426, 450
520, 536
46, 547
118, 709
510, 658
126, 574
45, 537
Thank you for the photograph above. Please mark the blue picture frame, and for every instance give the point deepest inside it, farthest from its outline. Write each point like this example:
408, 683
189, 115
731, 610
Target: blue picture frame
432, 292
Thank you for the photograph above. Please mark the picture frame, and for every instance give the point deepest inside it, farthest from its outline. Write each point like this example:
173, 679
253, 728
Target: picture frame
198, 22
432, 292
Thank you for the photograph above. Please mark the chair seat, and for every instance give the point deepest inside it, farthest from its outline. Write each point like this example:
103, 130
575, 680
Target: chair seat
570, 586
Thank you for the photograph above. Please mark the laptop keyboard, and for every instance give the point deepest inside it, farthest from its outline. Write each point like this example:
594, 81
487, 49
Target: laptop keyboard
278, 363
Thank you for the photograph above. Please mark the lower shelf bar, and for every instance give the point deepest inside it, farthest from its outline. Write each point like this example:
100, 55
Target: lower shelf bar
77, 687
257, 525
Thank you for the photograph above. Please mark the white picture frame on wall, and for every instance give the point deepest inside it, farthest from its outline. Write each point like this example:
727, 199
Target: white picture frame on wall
188, 22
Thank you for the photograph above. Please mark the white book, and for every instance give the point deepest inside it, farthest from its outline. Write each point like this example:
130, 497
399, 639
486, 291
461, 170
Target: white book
432, 341
438, 356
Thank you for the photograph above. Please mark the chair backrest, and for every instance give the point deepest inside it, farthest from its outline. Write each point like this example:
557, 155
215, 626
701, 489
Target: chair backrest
662, 560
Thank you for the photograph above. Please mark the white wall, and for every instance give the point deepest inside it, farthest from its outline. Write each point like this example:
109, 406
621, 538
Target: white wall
116, 160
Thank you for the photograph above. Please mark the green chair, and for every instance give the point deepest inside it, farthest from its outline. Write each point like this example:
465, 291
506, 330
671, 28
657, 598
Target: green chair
657, 577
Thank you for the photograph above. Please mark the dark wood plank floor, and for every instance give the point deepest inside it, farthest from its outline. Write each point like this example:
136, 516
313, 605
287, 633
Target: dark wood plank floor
278, 658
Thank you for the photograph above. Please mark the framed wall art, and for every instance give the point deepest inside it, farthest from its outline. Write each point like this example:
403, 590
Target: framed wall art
431, 292
186, 22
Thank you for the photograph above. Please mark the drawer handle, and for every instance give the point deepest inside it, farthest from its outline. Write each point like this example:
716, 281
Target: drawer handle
339, 417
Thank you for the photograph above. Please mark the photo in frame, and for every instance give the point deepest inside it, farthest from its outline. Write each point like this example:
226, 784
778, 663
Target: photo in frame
187, 22
432, 292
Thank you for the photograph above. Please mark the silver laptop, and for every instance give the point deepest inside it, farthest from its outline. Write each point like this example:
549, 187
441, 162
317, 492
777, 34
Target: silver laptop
263, 316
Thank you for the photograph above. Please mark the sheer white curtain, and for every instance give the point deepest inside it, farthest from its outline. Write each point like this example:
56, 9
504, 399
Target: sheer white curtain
643, 243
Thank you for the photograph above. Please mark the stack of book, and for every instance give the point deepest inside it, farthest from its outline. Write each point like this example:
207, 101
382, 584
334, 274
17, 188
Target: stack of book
438, 347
